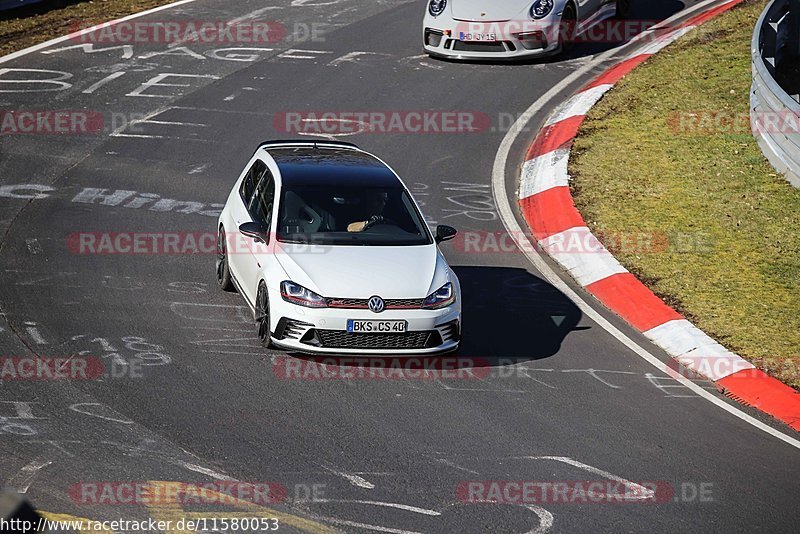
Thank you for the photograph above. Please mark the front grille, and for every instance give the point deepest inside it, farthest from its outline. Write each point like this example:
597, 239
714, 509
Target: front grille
471, 46
363, 304
341, 339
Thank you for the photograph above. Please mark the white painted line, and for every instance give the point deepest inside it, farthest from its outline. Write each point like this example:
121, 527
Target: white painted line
95, 86
641, 493
456, 466
697, 7
35, 334
223, 340
509, 221
22, 480
33, 246
72, 35
142, 136
171, 123
139, 136
81, 409
206, 471
398, 506
545, 519
233, 352
216, 328
662, 42
237, 20
355, 480
579, 104
229, 111
663, 387
544, 172
580, 253
203, 305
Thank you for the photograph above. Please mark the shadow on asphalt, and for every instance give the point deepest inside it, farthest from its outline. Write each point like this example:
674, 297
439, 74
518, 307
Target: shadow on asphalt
509, 316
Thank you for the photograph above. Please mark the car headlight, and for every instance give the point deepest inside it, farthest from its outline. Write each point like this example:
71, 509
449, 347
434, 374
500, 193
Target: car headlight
436, 7
301, 296
541, 8
441, 298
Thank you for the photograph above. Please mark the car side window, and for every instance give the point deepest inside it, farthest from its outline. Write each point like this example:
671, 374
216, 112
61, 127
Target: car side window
263, 200
250, 181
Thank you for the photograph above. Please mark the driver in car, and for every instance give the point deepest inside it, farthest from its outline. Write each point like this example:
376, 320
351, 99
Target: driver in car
373, 207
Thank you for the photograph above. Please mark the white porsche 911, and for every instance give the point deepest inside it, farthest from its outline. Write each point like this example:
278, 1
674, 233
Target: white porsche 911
331, 253
510, 29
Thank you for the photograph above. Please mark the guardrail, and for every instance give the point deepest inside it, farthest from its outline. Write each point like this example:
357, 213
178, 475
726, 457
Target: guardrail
776, 43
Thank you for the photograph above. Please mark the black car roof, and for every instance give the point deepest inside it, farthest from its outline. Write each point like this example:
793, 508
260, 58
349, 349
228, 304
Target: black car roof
310, 166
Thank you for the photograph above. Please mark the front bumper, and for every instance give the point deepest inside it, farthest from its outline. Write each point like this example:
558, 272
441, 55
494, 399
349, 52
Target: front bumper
445, 38
324, 330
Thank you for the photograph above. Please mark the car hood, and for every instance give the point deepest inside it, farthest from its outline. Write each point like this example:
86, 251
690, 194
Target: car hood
490, 10
365, 271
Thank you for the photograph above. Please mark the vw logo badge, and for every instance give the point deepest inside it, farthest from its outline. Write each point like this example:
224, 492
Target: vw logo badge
376, 304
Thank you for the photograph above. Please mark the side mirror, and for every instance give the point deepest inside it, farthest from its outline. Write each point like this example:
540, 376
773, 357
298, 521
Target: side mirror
254, 230
445, 233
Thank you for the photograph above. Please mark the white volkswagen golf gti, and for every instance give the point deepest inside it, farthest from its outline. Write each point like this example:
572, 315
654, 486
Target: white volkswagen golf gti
331, 253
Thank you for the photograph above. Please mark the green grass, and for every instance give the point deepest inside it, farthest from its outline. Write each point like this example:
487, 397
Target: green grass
38, 23
733, 262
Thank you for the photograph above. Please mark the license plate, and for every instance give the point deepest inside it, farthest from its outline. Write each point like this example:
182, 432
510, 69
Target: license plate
463, 36
377, 327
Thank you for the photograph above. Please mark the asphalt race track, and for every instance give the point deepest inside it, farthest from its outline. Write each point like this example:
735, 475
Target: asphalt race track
562, 400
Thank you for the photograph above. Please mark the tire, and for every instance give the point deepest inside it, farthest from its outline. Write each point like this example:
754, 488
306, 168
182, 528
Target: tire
566, 32
223, 269
262, 317
623, 8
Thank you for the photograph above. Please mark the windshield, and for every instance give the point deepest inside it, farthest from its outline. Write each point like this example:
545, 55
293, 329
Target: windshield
335, 215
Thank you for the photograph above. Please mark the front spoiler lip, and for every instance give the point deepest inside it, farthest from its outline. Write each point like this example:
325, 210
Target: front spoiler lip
315, 351
494, 59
